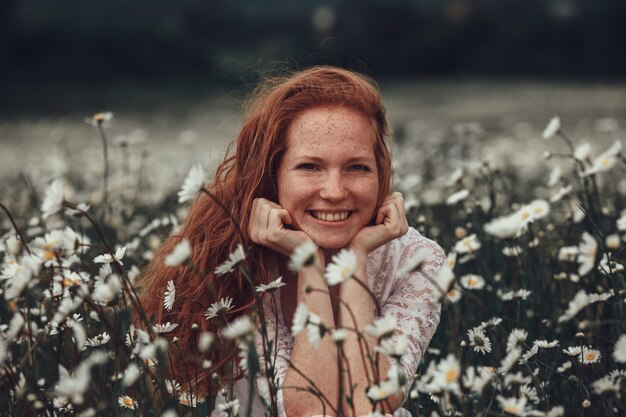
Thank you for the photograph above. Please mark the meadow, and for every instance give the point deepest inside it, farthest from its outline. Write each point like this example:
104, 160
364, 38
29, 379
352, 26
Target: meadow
531, 212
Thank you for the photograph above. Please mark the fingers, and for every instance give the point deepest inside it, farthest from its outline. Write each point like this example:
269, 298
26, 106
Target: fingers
392, 214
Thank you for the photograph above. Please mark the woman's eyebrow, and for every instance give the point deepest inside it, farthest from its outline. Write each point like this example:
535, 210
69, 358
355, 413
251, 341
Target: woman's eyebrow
349, 160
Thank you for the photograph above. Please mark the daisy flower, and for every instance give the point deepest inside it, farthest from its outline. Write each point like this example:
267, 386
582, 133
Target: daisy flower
506, 227
205, 340
300, 318
170, 296
605, 161
164, 328
472, 282
555, 174
544, 344
589, 356
272, 286
382, 327
587, 250
107, 258
53, 201
98, 340
188, 399
231, 408
619, 351
613, 241
234, 259
607, 266
172, 386
457, 197
512, 405
180, 253
100, 118
394, 348
468, 244
454, 294
562, 192
552, 128
220, 307
303, 255
341, 268
339, 335
479, 341
239, 328
314, 330
447, 372
127, 402
192, 185
384, 389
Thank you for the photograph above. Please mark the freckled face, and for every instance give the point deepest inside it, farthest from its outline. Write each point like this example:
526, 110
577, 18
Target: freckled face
327, 178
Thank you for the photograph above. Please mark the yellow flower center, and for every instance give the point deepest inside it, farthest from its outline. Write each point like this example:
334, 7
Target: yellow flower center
605, 162
472, 281
490, 369
590, 356
67, 281
128, 402
345, 271
538, 210
511, 409
451, 375
525, 215
48, 255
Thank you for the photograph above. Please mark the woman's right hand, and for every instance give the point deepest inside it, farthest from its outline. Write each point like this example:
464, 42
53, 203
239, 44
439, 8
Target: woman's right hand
267, 227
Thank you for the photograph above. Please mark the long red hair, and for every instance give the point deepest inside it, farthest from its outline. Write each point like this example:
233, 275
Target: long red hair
245, 174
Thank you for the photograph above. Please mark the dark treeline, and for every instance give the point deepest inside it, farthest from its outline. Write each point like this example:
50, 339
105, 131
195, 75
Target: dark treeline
220, 40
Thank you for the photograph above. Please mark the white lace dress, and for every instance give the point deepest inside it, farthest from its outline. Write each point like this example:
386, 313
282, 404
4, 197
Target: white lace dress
412, 300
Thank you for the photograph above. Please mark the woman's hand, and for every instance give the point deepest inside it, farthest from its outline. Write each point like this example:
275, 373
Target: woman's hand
390, 224
267, 227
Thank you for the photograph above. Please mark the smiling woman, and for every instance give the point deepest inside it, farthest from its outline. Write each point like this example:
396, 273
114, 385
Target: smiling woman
310, 176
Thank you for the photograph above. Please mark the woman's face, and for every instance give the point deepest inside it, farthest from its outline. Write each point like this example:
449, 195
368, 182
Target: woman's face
327, 178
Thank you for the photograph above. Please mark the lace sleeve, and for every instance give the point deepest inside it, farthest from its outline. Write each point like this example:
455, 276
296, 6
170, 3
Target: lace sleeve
413, 301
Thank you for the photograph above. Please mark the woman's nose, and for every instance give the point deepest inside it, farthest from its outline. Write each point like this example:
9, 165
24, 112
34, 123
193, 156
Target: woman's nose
333, 188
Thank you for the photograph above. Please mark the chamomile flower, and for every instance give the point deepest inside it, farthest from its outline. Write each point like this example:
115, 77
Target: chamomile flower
342, 267
300, 318
619, 351
303, 255
468, 244
552, 128
220, 307
240, 328
181, 252
170, 296
382, 327
472, 282
164, 328
231, 408
98, 340
53, 201
192, 185
107, 258
454, 294
234, 259
513, 405
589, 356
394, 348
457, 197
479, 341
272, 286
414, 263
101, 118
127, 402
516, 337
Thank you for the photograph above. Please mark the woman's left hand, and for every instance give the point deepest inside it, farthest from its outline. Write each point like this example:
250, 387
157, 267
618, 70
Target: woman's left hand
390, 224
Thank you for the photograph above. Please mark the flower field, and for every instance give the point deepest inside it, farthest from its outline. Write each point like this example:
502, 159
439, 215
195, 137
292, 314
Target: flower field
533, 297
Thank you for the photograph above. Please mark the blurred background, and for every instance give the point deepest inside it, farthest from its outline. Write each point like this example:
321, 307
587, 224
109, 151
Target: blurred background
175, 73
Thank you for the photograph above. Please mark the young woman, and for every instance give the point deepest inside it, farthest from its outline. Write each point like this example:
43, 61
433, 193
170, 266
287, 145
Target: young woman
311, 163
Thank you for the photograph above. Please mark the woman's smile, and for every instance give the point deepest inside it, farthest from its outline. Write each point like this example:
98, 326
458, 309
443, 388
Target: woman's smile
328, 177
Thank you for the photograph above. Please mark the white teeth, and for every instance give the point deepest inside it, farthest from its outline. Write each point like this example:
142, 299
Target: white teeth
330, 217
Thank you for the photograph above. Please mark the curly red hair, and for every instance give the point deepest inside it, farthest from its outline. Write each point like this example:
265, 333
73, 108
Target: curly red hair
245, 174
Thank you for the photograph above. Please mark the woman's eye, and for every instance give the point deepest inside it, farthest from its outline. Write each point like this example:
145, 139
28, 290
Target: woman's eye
360, 167
307, 166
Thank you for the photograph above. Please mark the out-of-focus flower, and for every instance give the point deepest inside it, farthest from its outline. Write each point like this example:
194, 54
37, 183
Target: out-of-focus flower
382, 327
314, 330
563, 191
516, 337
231, 408
98, 340
544, 344
587, 250
192, 184
619, 351
205, 340
467, 245
100, 118
555, 174
506, 227
605, 161
479, 341
394, 348
608, 267
448, 372
621, 222
454, 294
164, 328
107, 258
272, 286
472, 282
582, 151
303, 255
605, 385
53, 200
384, 389
181, 252
511, 295
240, 328
589, 356
552, 128
234, 259
131, 374
613, 241
300, 318
342, 267
74, 385
170, 296
513, 405
580, 301
218, 308
457, 197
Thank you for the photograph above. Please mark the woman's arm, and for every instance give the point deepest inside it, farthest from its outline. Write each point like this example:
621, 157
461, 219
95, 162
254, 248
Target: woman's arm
319, 364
